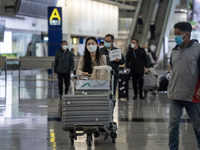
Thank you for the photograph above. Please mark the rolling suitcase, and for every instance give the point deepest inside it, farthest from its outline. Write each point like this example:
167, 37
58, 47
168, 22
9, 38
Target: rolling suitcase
123, 88
163, 84
150, 84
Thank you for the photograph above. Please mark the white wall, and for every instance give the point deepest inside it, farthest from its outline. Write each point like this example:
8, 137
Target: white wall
80, 17
6, 46
89, 18
27, 24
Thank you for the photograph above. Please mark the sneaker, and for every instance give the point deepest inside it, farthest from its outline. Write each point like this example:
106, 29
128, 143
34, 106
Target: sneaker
135, 97
141, 97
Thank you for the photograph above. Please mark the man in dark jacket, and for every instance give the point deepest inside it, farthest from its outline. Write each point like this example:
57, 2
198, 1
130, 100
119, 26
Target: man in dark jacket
135, 63
64, 65
108, 46
152, 30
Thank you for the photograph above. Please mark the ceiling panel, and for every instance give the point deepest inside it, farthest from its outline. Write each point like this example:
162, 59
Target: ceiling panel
35, 8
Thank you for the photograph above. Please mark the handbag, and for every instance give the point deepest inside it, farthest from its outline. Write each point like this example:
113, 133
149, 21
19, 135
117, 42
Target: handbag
101, 72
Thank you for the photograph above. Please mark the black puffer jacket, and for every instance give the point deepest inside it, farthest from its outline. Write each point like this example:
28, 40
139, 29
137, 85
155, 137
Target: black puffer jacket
136, 60
64, 62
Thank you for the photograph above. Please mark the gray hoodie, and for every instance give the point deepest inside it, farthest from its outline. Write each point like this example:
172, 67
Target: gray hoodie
185, 72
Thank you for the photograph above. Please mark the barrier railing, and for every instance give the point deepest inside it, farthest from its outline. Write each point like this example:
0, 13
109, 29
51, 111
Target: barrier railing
76, 60
40, 63
36, 63
3, 66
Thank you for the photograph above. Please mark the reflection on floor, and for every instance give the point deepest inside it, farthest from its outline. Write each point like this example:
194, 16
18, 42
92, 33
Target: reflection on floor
29, 119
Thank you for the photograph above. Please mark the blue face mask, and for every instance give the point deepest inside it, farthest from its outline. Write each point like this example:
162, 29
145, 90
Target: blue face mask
179, 39
107, 44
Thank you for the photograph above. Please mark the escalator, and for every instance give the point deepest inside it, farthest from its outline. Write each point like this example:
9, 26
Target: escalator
156, 11
161, 21
137, 31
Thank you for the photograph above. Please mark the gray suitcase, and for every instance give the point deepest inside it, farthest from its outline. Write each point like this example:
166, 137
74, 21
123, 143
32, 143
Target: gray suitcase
90, 114
150, 84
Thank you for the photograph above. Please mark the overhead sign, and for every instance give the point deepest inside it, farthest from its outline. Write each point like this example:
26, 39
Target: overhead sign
54, 29
54, 17
113, 54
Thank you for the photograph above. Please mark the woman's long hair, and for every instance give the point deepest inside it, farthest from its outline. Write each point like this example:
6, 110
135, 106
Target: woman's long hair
87, 58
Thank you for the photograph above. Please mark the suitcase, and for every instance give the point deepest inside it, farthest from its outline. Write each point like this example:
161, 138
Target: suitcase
123, 88
90, 114
150, 84
163, 84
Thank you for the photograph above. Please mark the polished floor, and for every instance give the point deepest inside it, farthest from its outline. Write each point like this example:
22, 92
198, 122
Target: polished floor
29, 119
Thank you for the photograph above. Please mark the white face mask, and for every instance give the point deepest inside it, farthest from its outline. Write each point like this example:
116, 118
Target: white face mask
65, 47
92, 48
153, 47
146, 49
132, 45
101, 47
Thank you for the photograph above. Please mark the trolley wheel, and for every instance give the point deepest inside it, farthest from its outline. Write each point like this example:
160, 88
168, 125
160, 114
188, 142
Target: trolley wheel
114, 140
153, 93
72, 141
89, 139
113, 136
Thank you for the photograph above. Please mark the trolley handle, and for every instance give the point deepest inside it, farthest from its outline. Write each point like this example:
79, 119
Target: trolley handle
112, 79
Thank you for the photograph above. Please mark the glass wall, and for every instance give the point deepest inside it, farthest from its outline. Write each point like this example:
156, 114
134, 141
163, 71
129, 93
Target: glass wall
20, 43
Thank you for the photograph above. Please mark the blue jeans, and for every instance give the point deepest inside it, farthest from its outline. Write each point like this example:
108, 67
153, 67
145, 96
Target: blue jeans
193, 110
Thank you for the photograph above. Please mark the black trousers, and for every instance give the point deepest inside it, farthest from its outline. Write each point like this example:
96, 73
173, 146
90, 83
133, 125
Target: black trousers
66, 78
138, 80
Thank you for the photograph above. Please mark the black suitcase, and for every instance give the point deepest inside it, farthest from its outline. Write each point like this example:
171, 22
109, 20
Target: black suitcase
163, 84
123, 85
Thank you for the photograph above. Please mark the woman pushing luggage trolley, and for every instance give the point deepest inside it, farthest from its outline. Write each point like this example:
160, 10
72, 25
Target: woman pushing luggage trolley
90, 109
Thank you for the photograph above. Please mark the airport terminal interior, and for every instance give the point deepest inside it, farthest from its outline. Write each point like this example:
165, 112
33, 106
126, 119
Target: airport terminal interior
29, 97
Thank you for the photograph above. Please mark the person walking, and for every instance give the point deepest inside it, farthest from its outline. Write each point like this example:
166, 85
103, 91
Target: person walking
101, 44
152, 30
63, 66
109, 46
185, 67
72, 51
135, 63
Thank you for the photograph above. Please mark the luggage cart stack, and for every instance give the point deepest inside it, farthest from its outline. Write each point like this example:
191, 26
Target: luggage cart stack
89, 111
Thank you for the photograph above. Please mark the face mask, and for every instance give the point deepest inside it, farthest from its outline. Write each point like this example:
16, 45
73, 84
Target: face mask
132, 45
65, 47
92, 48
153, 48
146, 49
107, 44
101, 47
179, 39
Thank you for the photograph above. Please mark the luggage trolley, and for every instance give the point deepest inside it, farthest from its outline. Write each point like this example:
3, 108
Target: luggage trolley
150, 84
89, 110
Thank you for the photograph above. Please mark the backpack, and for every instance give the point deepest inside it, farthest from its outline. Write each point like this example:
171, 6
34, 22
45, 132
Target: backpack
148, 62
